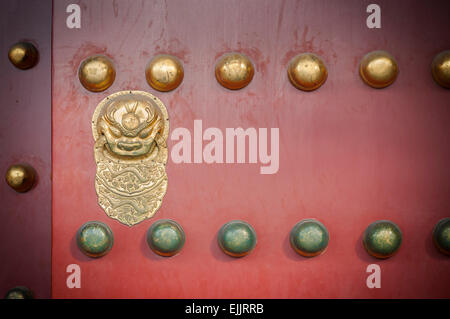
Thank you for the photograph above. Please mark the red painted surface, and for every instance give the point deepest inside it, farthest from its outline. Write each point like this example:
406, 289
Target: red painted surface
349, 154
25, 136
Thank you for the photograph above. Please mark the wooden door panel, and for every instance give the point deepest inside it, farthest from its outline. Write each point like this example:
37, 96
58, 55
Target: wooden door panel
25, 137
348, 154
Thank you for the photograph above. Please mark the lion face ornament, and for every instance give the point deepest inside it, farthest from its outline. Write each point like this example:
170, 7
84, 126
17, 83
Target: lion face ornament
130, 130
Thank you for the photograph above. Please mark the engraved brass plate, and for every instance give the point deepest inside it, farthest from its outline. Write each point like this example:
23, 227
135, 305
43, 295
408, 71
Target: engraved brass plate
130, 130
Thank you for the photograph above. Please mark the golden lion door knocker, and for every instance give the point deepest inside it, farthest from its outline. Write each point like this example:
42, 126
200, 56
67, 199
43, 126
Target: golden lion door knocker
130, 129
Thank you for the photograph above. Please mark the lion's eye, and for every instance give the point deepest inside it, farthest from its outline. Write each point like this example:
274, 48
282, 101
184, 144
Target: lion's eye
114, 131
145, 132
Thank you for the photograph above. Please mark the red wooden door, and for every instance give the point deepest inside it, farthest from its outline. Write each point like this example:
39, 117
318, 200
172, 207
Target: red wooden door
348, 154
25, 137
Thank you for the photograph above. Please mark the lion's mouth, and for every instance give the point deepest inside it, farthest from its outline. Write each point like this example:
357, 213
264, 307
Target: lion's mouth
125, 146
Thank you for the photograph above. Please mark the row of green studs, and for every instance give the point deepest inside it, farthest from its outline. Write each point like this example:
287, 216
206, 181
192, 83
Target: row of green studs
309, 238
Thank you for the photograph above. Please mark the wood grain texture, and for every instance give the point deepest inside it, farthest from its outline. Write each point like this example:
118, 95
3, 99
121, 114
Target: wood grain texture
349, 154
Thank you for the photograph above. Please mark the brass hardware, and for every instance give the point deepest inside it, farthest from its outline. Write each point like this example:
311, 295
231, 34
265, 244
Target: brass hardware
441, 236
165, 237
382, 239
309, 238
307, 72
20, 177
164, 73
237, 238
440, 69
378, 69
130, 130
23, 55
234, 71
97, 73
19, 292
95, 239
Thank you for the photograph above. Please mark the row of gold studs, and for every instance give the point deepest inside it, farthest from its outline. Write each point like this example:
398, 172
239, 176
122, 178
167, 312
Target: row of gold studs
234, 71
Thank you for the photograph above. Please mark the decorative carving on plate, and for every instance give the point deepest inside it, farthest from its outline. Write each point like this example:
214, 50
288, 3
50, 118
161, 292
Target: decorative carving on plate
130, 129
